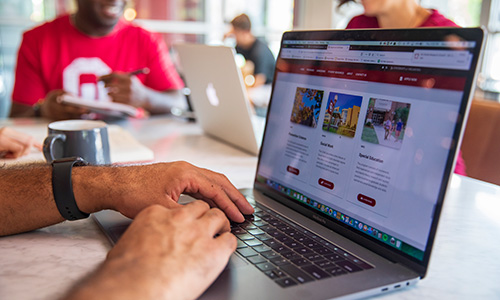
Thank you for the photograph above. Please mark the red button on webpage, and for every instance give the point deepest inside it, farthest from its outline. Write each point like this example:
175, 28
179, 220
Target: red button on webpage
293, 170
366, 200
326, 183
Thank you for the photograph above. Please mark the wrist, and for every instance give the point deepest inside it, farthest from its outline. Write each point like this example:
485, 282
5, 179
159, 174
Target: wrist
43, 109
98, 187
62, 187
141, 97
91, 188
37, 108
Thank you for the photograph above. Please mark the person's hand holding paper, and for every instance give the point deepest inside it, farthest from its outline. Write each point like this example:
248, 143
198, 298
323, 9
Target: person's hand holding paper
52, 107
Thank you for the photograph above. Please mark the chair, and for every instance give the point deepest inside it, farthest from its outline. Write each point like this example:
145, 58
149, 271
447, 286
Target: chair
481, 141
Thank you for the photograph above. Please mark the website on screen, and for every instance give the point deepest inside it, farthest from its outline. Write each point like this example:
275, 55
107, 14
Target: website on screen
363, 134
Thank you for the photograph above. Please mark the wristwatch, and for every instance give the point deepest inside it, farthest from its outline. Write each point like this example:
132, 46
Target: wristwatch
62, 187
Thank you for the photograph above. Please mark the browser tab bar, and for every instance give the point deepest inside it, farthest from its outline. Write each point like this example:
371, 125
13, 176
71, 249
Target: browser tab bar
422, 44
455, 59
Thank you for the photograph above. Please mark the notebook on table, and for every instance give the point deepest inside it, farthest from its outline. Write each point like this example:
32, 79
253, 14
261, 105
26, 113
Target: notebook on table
219, 97
360, 142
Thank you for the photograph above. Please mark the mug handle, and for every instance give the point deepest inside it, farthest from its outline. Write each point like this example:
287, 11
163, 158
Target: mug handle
48, 145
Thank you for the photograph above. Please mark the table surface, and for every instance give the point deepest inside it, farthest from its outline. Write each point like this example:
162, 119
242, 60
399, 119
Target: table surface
45, 263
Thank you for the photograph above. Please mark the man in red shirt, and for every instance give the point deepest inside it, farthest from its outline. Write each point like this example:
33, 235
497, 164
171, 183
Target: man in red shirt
91, 54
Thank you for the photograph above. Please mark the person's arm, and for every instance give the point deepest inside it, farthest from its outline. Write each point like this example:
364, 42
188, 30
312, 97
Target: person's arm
27, 202
164, 254
264, 64
163, 102
14, 144
18, 110
260, 79
158, 91
50, 107
125, 88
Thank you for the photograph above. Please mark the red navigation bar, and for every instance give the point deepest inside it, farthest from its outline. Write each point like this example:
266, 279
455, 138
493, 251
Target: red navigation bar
392, 77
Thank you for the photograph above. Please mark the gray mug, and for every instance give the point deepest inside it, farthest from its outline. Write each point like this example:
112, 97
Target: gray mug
84, 138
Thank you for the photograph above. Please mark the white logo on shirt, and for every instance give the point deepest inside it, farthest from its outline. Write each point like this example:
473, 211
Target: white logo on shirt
80, 78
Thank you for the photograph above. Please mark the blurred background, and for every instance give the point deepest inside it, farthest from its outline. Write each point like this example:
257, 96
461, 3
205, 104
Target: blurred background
206, 21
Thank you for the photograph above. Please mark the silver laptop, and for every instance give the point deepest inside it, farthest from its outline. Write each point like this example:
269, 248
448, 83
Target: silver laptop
360, 143
219, 97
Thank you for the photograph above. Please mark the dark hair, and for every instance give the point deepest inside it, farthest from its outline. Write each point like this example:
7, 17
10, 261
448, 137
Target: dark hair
342, 2
242, 22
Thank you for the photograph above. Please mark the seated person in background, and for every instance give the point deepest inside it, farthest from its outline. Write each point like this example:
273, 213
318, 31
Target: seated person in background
183, 256
14, 144
401, 14
92, 54
396, 14
253, 50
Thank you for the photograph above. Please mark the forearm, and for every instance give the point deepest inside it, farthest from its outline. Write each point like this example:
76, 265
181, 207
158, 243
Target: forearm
123, 279
26, 201
162, 102
260, 79
21, 111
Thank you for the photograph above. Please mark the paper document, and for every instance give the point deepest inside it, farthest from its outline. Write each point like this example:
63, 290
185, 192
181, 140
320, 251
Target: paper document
113, 109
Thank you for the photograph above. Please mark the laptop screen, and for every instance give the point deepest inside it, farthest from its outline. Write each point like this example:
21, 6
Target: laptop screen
363, 125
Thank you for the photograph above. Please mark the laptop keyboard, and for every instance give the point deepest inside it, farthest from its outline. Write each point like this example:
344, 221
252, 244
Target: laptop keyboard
290, 254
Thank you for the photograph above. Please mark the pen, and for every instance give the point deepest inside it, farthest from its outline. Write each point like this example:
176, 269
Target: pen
144, 70
109, 78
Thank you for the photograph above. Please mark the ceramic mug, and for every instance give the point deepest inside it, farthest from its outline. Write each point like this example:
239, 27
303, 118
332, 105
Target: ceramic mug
84, 138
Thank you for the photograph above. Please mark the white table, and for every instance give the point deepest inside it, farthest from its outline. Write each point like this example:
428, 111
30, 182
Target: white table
465, 264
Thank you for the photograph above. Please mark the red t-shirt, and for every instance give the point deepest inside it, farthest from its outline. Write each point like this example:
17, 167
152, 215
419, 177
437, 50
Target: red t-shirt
434, 20
56, 55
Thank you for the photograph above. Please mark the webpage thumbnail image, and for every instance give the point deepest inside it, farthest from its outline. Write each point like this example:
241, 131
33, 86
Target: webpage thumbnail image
385, 122
342, 114
307, 106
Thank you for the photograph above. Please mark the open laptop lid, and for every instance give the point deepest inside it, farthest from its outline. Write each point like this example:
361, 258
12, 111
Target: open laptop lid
218, 94
362, 131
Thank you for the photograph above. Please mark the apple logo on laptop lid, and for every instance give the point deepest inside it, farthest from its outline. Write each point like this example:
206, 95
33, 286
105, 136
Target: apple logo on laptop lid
212, 95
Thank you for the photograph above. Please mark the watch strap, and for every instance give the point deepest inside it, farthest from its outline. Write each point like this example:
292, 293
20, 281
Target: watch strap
62, 187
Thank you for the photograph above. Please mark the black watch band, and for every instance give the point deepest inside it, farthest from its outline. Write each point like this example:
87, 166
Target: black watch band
62, 187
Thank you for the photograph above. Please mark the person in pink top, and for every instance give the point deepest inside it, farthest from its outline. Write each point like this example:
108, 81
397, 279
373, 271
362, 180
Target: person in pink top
96, 55
401, 14
396, 14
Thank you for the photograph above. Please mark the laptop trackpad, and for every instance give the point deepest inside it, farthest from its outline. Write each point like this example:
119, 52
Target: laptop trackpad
235, 261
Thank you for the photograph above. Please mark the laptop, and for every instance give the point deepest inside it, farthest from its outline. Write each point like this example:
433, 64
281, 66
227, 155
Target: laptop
218, 95
361, 138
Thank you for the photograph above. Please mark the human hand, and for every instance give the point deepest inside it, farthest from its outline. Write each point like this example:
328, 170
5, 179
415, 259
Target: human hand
164, 254
53, 108
14, 144
131, 189
125, 88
